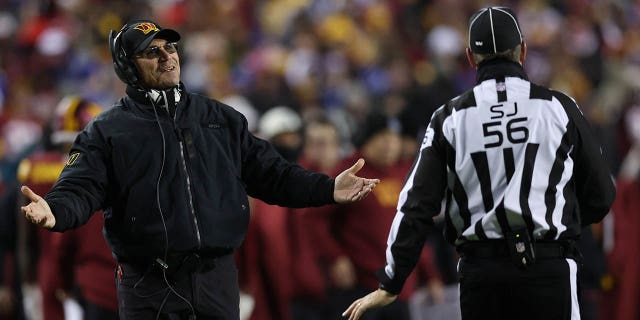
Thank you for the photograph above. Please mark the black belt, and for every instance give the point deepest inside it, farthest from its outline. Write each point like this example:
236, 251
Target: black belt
210, 254
179, 264
498, 249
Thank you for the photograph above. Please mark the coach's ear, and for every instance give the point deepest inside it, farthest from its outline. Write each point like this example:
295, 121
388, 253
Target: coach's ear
472, 60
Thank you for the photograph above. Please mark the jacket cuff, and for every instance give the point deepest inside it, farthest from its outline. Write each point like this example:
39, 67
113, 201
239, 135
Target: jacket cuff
59, 212
329, 196
387, 284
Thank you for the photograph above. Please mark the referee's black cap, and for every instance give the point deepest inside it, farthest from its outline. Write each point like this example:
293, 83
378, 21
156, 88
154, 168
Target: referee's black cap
493, 30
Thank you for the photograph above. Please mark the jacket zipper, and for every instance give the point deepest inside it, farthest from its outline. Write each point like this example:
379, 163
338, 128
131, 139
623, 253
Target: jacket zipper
193, 211
186, 174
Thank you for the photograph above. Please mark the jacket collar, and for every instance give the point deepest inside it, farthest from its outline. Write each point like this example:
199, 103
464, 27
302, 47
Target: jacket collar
495, 68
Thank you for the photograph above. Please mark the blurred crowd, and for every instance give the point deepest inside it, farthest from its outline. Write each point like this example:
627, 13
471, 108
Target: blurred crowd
325, 81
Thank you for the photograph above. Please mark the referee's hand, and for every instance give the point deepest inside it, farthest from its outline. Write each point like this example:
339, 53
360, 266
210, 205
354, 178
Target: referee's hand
376, 299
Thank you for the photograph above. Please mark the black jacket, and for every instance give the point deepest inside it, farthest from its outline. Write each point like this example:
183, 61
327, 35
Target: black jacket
211, 163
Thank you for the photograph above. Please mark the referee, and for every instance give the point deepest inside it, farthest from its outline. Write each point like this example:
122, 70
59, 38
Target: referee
520, 174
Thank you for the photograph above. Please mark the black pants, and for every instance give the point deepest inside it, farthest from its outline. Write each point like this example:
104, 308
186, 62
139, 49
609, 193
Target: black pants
497, 289
95, 312
213, 294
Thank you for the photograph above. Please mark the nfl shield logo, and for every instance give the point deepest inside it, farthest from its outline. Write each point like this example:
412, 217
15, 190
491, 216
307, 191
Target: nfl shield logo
520, 247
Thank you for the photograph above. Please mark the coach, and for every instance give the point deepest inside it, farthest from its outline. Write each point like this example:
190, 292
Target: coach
172, 171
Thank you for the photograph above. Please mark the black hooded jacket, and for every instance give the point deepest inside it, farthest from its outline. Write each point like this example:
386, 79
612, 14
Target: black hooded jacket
192, 177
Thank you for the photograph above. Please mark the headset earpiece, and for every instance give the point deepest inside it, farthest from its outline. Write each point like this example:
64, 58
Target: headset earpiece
122, 65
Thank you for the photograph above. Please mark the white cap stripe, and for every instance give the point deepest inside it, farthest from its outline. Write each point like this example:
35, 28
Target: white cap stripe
471, 25
493, 35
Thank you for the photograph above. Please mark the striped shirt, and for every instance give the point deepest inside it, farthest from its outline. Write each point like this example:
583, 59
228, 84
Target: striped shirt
506, 154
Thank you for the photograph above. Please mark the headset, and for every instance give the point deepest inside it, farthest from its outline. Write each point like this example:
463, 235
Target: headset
124, 68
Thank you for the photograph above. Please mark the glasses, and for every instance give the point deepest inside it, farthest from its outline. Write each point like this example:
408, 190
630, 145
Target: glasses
154, 52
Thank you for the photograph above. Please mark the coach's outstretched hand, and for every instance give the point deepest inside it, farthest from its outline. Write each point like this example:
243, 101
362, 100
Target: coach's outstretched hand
376, 299
350, 188
38, 211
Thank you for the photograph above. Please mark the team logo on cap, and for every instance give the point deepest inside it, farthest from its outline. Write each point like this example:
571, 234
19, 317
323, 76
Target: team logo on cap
146, 27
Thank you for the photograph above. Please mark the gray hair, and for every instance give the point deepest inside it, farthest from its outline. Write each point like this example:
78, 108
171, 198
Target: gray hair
512, 54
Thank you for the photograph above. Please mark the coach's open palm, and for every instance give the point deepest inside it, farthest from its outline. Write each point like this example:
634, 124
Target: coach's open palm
350, 188
38, 211
376, 299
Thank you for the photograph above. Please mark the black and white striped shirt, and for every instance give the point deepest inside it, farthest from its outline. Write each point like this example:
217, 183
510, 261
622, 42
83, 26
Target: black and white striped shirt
506, 154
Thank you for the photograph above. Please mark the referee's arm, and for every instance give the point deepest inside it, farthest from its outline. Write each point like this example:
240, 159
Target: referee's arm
419, 201
595, 190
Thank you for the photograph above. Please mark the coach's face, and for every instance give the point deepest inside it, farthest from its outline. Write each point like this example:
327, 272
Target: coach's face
159, 65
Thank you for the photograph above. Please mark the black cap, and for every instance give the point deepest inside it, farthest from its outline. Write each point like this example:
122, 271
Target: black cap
140, 33
493, 30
